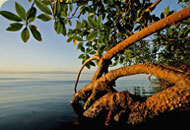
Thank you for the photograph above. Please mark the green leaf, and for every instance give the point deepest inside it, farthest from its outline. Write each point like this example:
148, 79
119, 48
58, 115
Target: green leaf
92, 36
81, 56
42, 7
58, 27
92, 22
44, 17
92, 63
166, 11
36, 34
14, 27
31, 14
20, 11
99, 20
70, 39
78, 25
78, 38
82, 49
25, 35
10, 16
84, 23
70, 7
58, 8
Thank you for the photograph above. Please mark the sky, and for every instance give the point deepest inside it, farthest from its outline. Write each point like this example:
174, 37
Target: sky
53, 54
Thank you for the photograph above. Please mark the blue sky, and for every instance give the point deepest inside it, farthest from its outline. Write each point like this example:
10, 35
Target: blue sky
52, 54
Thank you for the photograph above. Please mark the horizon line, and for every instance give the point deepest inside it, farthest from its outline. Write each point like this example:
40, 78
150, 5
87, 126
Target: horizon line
42, 72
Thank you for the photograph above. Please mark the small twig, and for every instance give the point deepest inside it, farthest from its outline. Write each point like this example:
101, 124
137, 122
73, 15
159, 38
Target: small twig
127, 9
55, 7
173, 40
52, 9
29, 13
83, 65
149, 9
75, 11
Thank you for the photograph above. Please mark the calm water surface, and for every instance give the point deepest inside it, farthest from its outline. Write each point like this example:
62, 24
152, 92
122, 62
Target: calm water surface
42, 101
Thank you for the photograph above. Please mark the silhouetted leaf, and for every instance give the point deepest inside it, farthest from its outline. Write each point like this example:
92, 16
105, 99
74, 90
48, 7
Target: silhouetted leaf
36, 34
78, 38
69, 39
25, 34
31, 14
14, 27
10, 16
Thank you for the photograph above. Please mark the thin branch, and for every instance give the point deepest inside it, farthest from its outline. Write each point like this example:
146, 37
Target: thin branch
174, 40
75, 11
52, 9
77, 2
83, 65
149, 9
29, 13
55, 8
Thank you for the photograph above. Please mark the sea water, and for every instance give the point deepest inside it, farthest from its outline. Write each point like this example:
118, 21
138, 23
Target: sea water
42, 101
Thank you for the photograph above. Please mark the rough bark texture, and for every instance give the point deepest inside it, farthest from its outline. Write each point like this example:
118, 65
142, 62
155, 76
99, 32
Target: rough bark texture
99, 97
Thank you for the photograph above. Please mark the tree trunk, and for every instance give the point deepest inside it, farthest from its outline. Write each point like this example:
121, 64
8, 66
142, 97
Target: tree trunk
100, 97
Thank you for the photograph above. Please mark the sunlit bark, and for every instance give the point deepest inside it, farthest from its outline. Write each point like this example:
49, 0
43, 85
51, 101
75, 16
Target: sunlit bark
170, 20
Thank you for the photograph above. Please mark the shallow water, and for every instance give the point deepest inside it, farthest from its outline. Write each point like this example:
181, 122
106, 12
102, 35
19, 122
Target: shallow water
42, 101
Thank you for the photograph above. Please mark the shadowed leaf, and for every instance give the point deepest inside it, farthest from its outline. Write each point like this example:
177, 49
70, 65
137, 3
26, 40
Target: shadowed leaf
14, 27
36, 34
10, 16
25, 35
31, 14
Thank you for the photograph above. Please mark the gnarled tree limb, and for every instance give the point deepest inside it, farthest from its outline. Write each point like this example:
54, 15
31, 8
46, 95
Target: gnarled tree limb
116, 104
180, 15
95, 90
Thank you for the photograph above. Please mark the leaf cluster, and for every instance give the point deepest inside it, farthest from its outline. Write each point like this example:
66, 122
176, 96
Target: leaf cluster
96, 26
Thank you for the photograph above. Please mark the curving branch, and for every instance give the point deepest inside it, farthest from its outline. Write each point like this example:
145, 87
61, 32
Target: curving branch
83, 65
104, 84
165, 22
162, 71
115, 104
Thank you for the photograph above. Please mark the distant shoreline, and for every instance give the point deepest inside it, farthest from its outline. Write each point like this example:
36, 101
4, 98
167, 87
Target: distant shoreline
54, 72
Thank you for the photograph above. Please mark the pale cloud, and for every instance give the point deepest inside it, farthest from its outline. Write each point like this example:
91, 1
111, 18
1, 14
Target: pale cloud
2, 2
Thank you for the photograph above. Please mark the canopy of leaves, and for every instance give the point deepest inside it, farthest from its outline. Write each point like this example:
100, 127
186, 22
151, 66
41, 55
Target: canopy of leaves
101, 24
